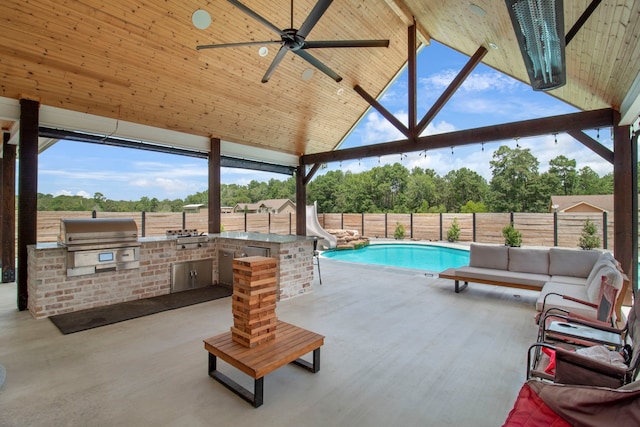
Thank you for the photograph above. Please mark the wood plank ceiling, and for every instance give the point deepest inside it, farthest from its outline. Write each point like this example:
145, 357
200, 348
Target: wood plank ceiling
136, 61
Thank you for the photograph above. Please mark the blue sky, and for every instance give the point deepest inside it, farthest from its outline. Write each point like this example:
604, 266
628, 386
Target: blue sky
487, 97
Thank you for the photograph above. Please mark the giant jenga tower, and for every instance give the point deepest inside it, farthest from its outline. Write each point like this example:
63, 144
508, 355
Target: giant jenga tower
254, 300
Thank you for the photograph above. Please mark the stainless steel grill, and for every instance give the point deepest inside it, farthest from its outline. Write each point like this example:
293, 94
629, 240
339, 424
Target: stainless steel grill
100, 244
188, 239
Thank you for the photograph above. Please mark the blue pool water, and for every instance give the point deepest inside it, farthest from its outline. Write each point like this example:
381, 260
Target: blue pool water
421, 257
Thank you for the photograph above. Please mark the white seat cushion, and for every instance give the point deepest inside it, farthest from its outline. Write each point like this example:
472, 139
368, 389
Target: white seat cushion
526, 260
579, 292
569, 280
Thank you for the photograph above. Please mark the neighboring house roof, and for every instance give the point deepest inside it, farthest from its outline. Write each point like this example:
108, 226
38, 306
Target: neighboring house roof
271, 204
276, 204
602, 202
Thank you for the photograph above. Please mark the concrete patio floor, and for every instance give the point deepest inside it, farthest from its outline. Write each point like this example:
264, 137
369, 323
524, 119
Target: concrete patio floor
401, 348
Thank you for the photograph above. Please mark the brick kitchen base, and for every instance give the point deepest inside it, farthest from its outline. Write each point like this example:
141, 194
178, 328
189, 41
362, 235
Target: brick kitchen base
51, 292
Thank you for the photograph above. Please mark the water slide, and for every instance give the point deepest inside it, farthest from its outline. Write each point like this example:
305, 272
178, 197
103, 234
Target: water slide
315, 229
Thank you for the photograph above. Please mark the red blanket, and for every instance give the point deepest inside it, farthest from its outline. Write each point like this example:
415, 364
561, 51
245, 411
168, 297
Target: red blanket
530, 411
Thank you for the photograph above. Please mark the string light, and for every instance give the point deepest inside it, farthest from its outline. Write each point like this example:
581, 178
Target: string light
517, 142
378, 159
452, 150
402, 156
597, 133
555, 137
483, 146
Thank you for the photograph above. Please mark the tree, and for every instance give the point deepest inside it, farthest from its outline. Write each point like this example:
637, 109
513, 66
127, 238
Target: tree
513, 183
565, 170
461, 186
588, 239
453, 234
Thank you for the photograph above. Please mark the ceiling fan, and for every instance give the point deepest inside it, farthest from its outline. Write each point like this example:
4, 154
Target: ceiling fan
293, 40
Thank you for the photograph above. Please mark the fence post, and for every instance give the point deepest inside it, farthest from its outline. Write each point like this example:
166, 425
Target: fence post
289, 222
144, 222
555, 229
362, 226
440, 225
342, 220
473, 215
94, 214
605, 232
245, 221
385, 225
184, 220
511, 218
269, 223
411, 225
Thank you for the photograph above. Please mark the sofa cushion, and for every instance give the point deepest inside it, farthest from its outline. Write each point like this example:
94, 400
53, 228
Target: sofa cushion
569, 280
529, 260
489, 256
579, 292
571, 262
613, 276
502, 276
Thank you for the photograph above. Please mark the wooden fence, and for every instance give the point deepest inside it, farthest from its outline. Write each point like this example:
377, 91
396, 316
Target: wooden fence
540, 229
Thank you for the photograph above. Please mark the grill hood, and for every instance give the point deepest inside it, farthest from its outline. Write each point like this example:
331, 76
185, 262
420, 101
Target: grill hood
77, 234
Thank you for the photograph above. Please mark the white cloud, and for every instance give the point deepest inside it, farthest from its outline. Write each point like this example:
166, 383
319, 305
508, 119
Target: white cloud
476, 82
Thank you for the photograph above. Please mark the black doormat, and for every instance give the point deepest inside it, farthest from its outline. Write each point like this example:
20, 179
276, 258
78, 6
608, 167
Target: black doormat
77, 321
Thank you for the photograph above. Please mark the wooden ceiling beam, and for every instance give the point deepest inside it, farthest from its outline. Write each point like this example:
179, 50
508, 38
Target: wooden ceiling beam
385, 113
494, 133
402, 10
592, 144
452, 88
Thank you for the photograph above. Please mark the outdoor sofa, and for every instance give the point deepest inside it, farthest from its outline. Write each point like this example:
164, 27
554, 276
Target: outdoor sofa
557, 271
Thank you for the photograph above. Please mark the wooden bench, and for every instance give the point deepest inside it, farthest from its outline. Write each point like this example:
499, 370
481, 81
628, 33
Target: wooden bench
290, 343
450, 274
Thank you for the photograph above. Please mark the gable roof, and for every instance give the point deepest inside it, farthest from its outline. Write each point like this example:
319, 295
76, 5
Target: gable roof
603, 202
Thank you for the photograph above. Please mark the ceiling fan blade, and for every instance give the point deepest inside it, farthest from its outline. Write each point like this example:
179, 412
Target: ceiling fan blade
255, 16
316, 13
345, 43
214, 46
283, 50
319, 65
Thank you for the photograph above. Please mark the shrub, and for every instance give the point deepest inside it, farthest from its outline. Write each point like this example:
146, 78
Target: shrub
512, 237
399, 233
453, 233
588, 238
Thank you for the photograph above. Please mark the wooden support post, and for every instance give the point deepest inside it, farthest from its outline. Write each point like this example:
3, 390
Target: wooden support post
214, 187
624, 194
301, 202
28, 191
8, 208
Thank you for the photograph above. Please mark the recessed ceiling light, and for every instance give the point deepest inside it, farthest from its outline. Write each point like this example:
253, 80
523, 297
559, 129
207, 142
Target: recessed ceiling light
477, 10
340, 91
201, 19
493, 45
263, 51
307, 74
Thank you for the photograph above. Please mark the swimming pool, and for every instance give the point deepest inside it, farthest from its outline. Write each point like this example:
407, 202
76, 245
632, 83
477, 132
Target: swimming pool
421, 257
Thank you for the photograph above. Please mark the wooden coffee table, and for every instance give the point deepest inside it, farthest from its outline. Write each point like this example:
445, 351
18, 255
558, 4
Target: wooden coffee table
290, 343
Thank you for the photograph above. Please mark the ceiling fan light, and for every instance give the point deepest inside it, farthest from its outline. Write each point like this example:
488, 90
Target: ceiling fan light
201, 19
263, 51
307, 74
539, 28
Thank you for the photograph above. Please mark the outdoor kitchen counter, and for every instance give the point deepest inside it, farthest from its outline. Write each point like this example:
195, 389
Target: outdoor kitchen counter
51, 291
293, 254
